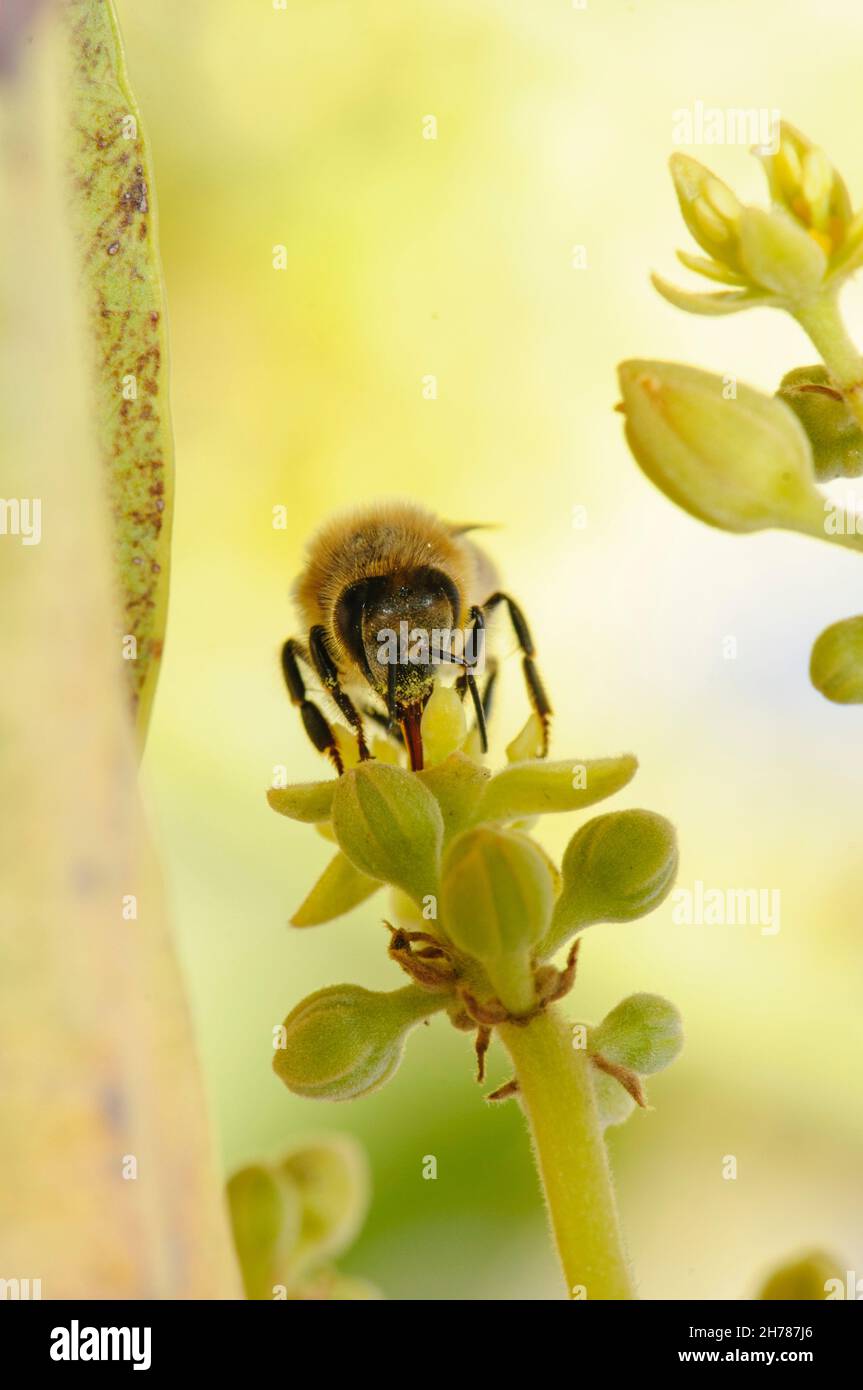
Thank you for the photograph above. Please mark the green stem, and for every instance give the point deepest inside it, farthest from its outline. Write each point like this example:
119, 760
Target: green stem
823, 322
557, 1096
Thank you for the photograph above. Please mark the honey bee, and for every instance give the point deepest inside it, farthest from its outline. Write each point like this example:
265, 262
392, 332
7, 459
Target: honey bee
383, 571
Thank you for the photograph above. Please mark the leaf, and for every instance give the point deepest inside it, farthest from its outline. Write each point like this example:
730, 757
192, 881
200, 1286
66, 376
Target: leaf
339, 889
97, 1049
534, 788
114, 217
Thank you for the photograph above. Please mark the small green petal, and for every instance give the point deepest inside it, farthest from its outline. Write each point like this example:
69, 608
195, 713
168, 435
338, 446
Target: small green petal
444, 726
713, 305
712, 270
528, 742
306, 801
779, 254
535, 788
340, 888
457, 784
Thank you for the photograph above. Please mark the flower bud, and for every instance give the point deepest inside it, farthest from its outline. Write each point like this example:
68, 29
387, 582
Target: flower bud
616, 868
804, 183
644, 1033
390, 827
346, 1041
833, 432
741, 464
836, 665
710, 209
266, 1214
496, 899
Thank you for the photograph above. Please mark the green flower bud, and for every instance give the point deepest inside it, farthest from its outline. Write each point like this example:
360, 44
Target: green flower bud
332, 1178
836, 666
741, 464
345, 1041
804, 183
536, 788
266, 1216
444, 726
390, 827
710, 209
644, 1033
340, 888
804, 1280
833, 432
616, 868
496, 900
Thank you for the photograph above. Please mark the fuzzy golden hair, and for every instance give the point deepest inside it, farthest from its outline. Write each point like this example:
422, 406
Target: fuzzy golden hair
389, 538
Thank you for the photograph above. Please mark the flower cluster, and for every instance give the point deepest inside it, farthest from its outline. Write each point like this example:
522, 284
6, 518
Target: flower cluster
729, 455
478, 908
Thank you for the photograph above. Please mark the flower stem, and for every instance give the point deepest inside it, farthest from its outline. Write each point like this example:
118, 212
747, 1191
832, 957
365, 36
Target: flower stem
557, 1096
823, 322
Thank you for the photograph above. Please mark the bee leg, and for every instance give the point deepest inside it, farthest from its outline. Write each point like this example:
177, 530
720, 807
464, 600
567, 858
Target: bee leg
384, 722
467, 681
535, 690
314, 722
328, 672
489, 687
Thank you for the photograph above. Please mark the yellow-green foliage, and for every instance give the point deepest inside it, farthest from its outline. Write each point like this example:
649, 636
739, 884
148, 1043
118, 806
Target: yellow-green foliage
114, 218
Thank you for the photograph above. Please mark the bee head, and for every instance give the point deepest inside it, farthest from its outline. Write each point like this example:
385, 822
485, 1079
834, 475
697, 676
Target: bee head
395, 627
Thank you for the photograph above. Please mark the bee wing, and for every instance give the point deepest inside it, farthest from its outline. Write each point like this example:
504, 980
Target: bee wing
461, 528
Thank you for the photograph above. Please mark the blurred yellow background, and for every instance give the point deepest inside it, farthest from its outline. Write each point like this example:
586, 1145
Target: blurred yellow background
409, 257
